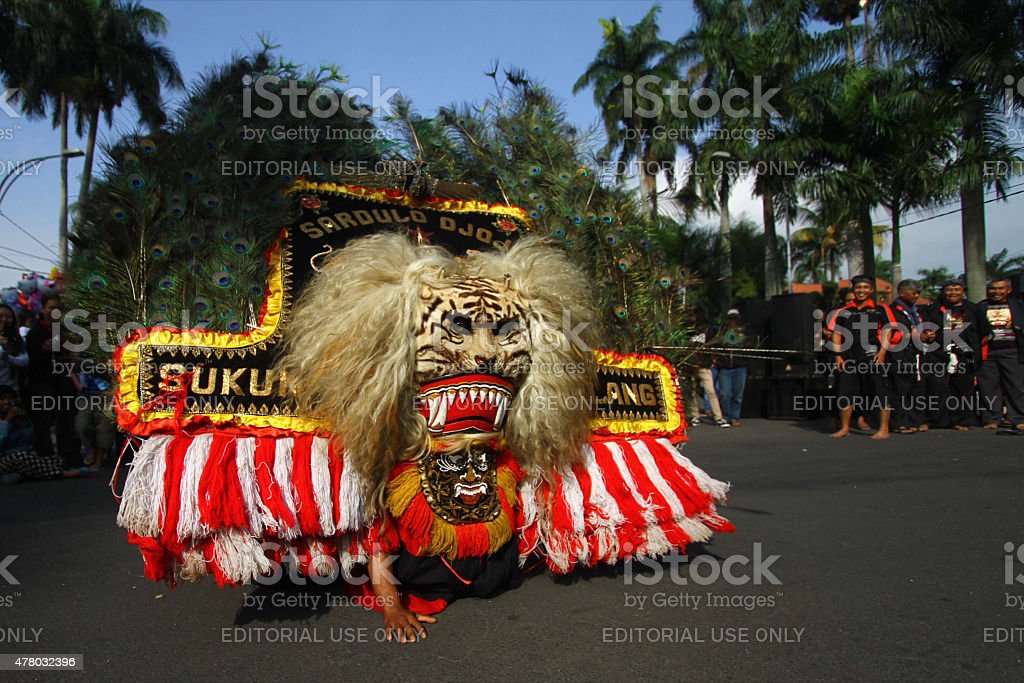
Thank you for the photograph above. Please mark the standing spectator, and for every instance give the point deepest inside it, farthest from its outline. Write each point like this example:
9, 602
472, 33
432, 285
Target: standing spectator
732, 366
1001, 375
50, 390
950, 359
860, 340
92, 421
702, 382
13, 357
845, 297
905, 361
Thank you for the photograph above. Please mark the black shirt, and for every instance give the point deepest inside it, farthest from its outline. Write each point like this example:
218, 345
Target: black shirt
852, 322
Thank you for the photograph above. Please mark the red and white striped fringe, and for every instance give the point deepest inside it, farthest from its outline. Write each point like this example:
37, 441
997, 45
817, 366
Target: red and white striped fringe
232, 506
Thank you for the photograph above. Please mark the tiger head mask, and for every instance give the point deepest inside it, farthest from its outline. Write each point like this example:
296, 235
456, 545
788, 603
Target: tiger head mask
396, 346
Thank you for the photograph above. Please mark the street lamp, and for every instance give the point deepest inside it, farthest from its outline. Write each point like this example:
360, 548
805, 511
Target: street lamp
19, 169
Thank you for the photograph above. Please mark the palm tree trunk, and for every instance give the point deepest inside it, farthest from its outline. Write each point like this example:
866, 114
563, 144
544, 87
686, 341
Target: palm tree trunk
725, 229
90, 149
897, 249
772, 266
62, 220
852, 250
972, 225
867, 241
651, 181
851, 55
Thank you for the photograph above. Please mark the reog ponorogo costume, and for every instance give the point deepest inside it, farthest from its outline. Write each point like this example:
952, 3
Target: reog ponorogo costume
439, 402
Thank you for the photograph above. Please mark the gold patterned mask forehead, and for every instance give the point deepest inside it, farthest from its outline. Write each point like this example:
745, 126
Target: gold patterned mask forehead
471, 324
461, 487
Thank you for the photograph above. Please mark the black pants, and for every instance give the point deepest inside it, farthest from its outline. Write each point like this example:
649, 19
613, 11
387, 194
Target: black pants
908, 393
432, 578
1001, 381
47, 410
952, 398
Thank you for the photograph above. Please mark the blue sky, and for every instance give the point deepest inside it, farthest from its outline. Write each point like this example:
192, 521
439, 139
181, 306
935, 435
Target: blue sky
435, 53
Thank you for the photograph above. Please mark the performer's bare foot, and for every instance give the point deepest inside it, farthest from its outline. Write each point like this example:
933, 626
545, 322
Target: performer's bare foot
960, 428
880, 435
863, 424
991, 425
840, 434
923, 428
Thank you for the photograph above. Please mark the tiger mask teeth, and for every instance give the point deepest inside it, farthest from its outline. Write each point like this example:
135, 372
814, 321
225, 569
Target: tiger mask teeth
471, 402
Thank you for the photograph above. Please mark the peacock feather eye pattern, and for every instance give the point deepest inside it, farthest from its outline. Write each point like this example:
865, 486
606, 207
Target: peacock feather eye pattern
201, 304
97, 282
119, 214
211, 201
241, 245
147, 145
611, 239
159, 250
223, 279
664, 281
620, 312
190, 175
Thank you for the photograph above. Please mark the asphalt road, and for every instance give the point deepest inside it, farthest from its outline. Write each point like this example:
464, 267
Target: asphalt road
891, 565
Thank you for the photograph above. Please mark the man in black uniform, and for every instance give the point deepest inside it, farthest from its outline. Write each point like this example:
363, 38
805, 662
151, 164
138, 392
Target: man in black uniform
949, 363
905, 357
1001, 376
861, 339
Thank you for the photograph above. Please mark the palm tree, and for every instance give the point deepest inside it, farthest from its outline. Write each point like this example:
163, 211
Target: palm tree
718, 49
35, 64
818, 248
969, 52
1002, 263
119, 61
626, 56
932, 279
85, 56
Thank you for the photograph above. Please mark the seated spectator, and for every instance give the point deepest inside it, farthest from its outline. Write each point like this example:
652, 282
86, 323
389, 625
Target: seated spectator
18, 456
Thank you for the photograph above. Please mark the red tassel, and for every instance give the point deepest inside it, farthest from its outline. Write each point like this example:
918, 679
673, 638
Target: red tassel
221, 504
416, 524
175, 456
473, 540
156, 560
270, 490
334, 465
633, 531
222, 579
302, 479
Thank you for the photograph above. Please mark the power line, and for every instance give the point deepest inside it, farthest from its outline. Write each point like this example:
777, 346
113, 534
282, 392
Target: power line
950, 202
16, 266
25, 253
12, 222
949, 213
